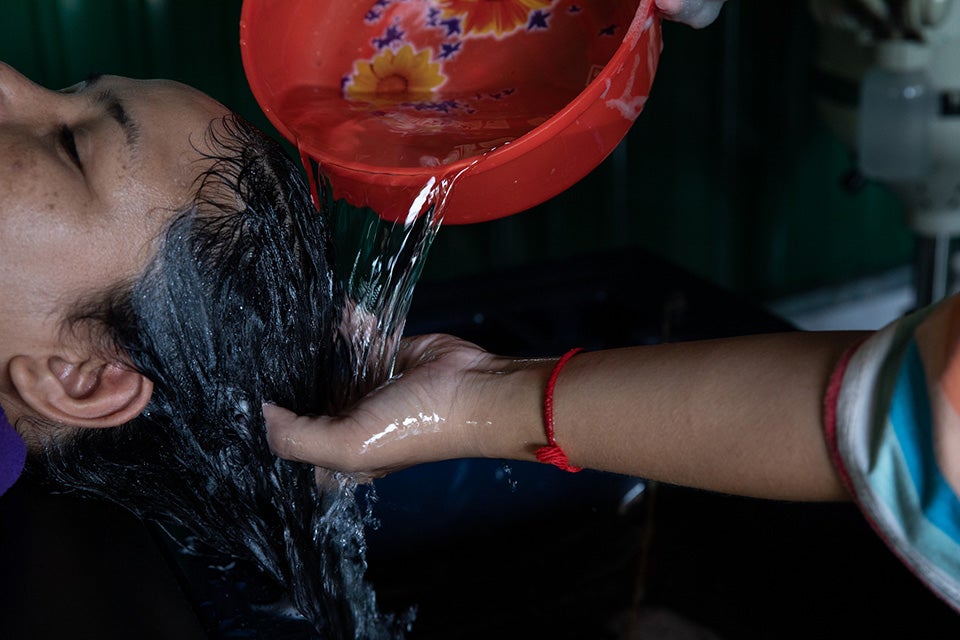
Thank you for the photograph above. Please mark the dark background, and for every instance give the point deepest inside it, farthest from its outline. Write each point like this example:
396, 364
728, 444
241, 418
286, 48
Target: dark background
728, 175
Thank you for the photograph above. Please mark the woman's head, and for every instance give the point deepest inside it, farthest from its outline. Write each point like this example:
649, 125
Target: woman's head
89, 178
166, 285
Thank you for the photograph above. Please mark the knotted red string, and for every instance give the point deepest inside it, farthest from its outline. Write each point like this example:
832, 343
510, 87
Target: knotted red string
552, 453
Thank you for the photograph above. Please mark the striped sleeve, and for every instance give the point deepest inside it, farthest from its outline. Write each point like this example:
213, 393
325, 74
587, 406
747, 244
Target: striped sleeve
893, 425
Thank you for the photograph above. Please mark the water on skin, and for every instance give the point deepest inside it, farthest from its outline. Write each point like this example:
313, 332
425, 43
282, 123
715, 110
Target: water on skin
410, 426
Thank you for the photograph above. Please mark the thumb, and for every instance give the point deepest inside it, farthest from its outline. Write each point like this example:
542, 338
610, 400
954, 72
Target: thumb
298, 438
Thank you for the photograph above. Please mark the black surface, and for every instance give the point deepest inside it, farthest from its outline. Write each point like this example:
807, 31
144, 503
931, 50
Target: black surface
752, 570
78, 569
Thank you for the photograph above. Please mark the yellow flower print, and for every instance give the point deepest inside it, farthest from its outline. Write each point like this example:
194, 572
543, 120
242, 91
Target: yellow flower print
402, 76
492, 16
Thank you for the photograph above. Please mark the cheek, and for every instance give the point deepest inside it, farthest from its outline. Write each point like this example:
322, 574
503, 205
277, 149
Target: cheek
17, 173
39, 217
34, 189
139, 213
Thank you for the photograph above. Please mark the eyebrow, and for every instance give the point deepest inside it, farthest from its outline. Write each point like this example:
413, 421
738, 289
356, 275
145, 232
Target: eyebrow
111, 103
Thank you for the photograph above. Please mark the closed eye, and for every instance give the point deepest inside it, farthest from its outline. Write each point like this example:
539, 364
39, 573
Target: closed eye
69, 144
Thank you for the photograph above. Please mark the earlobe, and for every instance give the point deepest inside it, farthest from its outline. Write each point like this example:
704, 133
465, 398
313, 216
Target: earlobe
86, 393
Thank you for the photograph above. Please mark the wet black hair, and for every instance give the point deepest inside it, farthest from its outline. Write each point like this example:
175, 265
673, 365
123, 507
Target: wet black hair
237, 308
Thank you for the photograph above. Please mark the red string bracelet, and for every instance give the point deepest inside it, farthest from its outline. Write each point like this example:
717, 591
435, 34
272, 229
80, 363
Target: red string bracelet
552, 453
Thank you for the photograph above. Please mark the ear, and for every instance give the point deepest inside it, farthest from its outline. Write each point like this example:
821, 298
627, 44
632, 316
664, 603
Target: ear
83, 393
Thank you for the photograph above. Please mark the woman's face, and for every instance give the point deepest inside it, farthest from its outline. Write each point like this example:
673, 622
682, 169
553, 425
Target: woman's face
88, 177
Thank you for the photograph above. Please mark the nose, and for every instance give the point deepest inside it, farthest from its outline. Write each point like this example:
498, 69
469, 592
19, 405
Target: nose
20, 95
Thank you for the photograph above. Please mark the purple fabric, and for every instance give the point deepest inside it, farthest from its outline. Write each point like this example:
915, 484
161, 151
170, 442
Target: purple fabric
13, 453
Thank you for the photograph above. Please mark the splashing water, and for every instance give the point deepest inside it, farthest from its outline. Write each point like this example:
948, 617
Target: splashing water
377, 261
377, 264
376, 267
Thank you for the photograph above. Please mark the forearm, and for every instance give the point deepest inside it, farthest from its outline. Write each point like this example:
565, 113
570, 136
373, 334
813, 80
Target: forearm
740, 415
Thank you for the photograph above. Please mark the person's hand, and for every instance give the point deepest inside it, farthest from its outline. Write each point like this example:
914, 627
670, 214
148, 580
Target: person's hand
696, 13
439, 406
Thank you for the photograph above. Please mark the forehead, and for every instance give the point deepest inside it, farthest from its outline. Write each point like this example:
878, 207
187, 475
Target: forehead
143, 183
172, 120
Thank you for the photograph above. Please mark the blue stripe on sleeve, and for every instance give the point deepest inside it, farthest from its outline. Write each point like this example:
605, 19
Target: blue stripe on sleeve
913, 425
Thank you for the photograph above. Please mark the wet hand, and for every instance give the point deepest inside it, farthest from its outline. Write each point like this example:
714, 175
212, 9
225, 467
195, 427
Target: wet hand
696, 13
438, 406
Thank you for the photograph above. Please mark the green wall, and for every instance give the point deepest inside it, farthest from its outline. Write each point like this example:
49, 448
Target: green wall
728, 171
